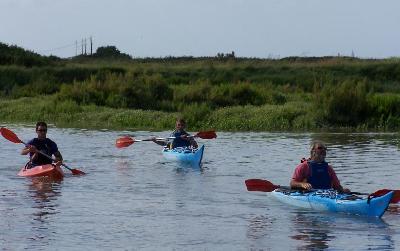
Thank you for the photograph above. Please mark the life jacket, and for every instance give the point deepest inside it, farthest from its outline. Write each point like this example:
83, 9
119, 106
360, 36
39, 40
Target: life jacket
178, 141
319, 176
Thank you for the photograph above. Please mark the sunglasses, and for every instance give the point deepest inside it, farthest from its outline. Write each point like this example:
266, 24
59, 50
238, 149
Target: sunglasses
42, 130
322, 148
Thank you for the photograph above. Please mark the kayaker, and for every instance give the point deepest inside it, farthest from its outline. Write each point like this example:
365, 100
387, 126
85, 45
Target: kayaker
316, 172
42, 144
181, 137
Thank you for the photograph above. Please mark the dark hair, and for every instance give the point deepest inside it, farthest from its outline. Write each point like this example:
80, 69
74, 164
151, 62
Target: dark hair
40, 123
181, 120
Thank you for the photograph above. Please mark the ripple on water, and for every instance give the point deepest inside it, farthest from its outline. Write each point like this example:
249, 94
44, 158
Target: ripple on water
132, 199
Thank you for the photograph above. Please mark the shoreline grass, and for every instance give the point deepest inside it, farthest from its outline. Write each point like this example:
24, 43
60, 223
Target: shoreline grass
293, 116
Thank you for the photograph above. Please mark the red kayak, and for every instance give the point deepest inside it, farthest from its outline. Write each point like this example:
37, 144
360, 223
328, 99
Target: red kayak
49, 170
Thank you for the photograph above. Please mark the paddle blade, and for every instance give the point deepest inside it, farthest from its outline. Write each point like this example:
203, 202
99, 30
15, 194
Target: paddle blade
206, 135
124, 142
77, 172
10, 135
395, 198
260, 185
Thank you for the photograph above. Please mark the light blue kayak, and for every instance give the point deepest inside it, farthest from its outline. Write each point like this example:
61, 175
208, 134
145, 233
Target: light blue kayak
184, 155
331, 201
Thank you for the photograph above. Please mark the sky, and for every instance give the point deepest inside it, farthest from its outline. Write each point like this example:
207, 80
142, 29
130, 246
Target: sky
250, 28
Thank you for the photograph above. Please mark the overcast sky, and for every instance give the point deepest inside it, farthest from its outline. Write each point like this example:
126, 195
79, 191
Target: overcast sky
250, 28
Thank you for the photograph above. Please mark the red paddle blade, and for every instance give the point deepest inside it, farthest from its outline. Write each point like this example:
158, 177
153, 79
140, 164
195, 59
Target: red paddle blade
206, 135
395, 198
260, 185
124, 142
77, 172
10, 135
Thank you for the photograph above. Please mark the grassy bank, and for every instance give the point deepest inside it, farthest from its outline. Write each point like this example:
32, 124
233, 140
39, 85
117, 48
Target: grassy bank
291, 116
225, 93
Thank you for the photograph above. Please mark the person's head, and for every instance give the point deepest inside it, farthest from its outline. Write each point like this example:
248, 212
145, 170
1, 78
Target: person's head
41, 129
180, 124
317, 151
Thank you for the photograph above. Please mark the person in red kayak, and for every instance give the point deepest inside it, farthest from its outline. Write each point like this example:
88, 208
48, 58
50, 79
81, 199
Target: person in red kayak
181, 137
44, 145
316, 173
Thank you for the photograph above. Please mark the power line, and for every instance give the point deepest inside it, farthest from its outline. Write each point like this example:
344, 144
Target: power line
77, 44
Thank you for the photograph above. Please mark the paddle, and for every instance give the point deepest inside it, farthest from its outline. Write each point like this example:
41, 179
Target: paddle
267, 186
11, 136
127, 141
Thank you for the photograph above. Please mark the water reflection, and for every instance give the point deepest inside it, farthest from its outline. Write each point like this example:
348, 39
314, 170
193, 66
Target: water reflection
315, 231
311, 232
44, 193
393, 209
357, 139
259, 227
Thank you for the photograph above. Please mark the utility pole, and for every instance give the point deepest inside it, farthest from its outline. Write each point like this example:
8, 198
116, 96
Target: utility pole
91, 46
76, 48
85, 46
82, 47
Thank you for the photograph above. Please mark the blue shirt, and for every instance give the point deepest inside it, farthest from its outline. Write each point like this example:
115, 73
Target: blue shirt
46, 146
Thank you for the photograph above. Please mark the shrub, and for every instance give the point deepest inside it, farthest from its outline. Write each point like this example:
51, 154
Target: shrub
343, 104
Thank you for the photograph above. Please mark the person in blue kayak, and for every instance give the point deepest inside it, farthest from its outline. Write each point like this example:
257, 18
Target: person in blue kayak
316, 173
41, 144
180, 137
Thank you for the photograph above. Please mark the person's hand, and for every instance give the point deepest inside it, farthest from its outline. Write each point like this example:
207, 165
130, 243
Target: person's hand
185, 137
306, 186
32, 149
58, 162
153, 139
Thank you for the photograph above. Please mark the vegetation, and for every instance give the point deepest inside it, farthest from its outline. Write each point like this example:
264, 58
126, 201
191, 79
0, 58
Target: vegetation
111, 90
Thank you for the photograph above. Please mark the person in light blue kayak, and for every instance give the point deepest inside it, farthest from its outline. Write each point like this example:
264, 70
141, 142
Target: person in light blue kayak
41, 144
316, 173
180, 137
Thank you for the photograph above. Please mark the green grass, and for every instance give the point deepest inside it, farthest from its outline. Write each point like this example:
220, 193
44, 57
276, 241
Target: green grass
291, 116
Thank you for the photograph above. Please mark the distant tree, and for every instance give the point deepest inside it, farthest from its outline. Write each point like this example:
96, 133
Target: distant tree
14, 55
110, 52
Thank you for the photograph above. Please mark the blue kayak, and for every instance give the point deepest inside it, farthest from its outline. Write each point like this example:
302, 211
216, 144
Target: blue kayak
332, 201
184, 155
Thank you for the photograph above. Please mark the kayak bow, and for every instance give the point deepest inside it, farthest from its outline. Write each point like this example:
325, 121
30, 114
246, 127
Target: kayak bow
49, 170
184, 155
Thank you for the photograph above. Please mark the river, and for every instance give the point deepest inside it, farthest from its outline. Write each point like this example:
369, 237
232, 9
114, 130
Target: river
132, 199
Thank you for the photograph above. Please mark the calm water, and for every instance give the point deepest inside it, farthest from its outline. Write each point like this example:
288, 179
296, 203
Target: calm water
132, 199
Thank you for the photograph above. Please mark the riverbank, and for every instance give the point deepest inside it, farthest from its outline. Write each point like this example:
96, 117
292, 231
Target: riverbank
291, 116
224, 93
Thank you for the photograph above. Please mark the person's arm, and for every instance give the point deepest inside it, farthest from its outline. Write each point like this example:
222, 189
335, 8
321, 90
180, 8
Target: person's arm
299, 178
25, 151
159, 142
28, 149
336, 183
58, 156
